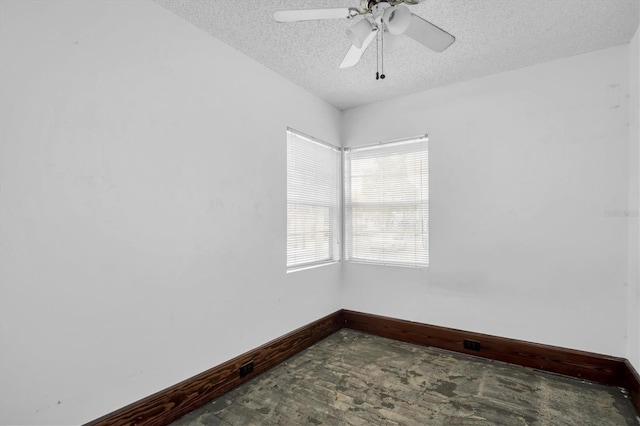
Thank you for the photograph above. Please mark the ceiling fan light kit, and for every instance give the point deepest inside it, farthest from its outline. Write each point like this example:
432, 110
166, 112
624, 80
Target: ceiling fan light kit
384, 20
397, 19
358, 32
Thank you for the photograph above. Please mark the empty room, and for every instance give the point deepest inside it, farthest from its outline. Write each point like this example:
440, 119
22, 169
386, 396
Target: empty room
338, 212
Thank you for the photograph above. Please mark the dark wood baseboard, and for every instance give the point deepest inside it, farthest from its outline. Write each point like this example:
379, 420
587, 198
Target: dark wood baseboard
172, 403
585, 365
608, 370
632, 384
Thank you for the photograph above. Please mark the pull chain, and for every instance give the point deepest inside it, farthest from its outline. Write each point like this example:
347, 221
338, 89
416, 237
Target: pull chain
377, 55
380, 54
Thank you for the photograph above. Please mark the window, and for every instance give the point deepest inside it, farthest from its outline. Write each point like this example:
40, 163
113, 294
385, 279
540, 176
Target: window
387, 203
313, 201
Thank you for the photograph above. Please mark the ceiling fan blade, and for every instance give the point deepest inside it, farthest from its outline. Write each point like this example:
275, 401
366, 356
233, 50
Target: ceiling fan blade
355, 53
428, 34
311, 14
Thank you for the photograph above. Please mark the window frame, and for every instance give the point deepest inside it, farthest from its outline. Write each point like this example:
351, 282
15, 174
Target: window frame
348, 206
335, 210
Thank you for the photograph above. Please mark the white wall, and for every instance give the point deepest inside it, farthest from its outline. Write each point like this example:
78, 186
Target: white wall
633, 294
136, 251
143, 185
523, 165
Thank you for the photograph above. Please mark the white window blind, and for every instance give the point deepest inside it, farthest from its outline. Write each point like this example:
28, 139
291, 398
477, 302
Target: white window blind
387, 203
313, 201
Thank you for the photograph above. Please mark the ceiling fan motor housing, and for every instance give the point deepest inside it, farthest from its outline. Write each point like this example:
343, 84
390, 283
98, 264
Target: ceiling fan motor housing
368, 5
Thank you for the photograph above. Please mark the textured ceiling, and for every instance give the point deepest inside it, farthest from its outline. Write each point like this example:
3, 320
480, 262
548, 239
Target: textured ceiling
491, 36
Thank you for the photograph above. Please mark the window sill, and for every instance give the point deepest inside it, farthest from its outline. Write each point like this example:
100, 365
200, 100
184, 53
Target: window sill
305, 267
401, 265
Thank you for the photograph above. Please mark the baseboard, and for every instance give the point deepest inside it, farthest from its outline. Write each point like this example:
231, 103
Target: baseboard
632, 384
585, 365
172, 403
608, 370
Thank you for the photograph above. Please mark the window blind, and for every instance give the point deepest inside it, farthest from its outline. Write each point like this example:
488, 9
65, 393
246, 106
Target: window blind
313, 201
387, 203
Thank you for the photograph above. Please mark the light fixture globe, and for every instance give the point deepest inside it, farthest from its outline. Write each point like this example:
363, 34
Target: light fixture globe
397, 19
359, 32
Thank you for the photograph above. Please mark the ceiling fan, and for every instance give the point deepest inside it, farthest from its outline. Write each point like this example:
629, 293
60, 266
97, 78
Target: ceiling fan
385, 20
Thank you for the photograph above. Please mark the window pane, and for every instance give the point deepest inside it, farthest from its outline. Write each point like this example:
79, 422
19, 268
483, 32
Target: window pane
313, 201
387, 203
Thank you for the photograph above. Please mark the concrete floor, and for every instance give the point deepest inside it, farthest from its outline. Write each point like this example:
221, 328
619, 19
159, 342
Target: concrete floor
352, 378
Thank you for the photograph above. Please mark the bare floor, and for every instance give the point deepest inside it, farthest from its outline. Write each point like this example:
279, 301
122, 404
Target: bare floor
351, 378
